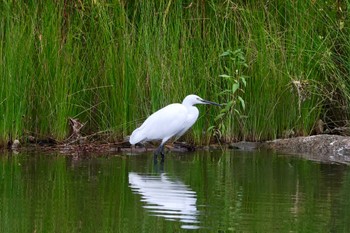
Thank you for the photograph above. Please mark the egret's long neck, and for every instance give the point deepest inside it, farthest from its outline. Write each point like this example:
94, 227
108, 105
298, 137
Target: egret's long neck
192, 115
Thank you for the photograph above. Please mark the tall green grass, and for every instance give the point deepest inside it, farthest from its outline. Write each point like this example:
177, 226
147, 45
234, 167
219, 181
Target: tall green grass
112, 63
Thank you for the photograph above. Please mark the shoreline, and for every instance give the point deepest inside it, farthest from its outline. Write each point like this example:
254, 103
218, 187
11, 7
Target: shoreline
323, 147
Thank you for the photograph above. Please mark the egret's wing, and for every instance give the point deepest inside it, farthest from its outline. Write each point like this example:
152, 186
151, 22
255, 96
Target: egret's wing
162, 124
192, 115
166, 122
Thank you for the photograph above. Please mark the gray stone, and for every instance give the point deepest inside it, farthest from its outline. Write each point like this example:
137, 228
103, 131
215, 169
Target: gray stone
327, 148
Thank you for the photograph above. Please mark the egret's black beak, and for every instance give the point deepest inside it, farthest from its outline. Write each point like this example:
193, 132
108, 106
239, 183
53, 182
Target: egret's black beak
210, 102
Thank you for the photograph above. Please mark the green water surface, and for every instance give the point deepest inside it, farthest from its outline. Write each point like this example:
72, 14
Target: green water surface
193, 192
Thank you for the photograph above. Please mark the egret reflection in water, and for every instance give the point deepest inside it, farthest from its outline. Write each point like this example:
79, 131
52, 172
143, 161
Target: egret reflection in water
165, 197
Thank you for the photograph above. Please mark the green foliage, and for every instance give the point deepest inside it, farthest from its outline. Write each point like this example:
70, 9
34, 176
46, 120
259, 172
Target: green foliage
111, 64
235, 82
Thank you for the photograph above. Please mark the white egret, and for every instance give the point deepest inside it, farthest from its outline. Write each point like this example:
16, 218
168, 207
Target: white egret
171, 121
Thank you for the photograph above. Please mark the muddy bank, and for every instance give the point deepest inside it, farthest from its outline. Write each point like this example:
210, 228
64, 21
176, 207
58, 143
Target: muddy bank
101, 148
325, 148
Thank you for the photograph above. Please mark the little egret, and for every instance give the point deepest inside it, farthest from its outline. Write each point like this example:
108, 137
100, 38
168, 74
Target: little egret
171, 121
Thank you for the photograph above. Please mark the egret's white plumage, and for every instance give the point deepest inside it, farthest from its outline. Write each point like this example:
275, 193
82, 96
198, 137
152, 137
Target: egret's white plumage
171, 121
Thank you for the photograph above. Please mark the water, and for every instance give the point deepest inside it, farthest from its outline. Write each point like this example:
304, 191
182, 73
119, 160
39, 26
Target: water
192, 192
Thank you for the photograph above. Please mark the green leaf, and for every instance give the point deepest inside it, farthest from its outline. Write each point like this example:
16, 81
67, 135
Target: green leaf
242, 102
224, 92
235, 87
226, 53
219, 116
223, 128
224, 76
210, 128
230, 103
228, 106
237, 52
243, 80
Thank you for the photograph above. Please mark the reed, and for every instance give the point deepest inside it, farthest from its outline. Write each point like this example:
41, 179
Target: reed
111, 64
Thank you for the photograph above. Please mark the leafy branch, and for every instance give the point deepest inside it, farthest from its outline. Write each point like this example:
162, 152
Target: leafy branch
234, 82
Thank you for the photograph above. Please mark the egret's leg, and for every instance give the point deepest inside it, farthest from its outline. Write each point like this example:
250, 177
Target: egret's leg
159, 150
155, 155
162, 154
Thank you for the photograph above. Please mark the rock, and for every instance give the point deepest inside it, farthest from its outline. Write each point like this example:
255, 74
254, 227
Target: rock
15, 144
246, 146
31, 139
322, 147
